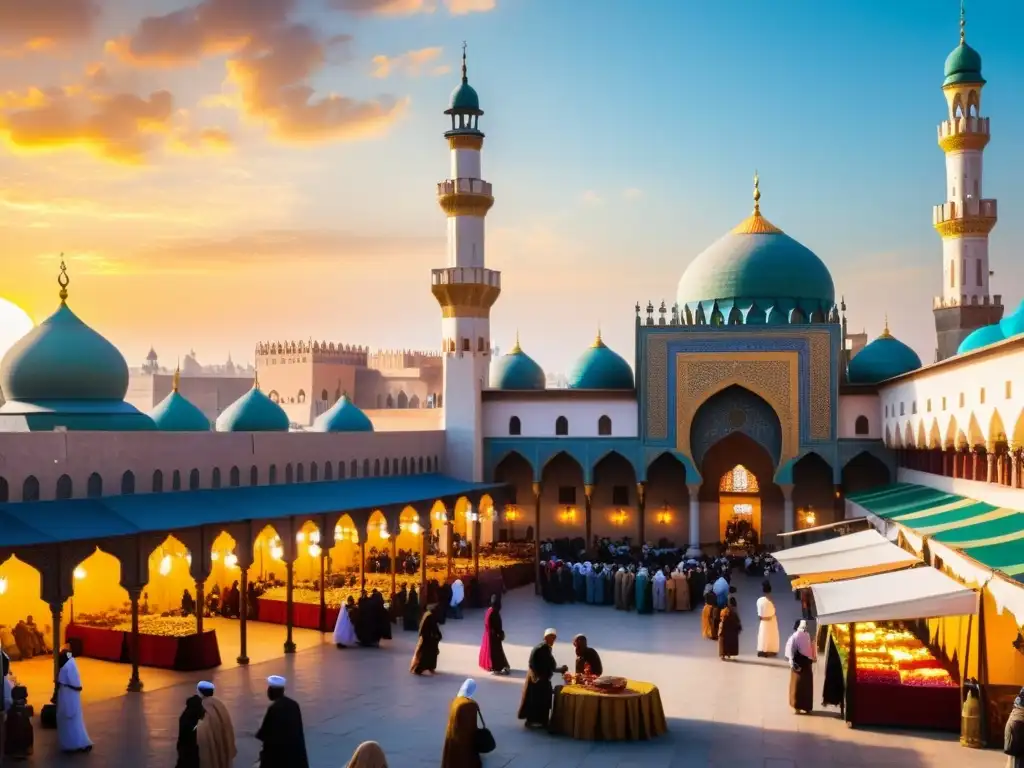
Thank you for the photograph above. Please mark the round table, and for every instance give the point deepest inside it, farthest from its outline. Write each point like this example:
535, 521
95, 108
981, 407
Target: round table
585, 714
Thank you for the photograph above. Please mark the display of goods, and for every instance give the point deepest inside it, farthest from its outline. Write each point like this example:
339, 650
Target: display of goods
878, 676
927, 678
610, 684
161, 626
888, 654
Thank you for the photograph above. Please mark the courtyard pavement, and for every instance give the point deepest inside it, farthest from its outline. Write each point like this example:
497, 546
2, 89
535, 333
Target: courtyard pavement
719, 713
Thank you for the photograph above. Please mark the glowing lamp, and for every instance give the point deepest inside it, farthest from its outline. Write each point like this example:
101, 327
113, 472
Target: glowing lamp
568, 515
314, 537
188, 558
620, 517
811, 518
314, 550
512, 513
300, 536
3, 585
165, 565
231, 560
215, 556
339, 534
664, 517
79, 573
276, 553
384, 533
415, 529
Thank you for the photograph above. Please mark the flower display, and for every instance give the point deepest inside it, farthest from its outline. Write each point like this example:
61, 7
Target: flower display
890, 655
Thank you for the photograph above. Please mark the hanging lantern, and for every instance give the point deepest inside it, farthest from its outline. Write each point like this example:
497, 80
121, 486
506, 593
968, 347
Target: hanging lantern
165, 565
214, 556
231, 560
80, 573
415, 529
314, 550
314, 537
3, 585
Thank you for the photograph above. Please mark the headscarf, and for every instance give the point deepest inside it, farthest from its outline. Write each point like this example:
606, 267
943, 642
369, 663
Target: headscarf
468, 688
69, 673
1019, 701
458, 593
496, 601
368, 755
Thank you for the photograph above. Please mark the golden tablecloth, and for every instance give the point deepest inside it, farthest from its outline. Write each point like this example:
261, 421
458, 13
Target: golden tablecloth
585, 714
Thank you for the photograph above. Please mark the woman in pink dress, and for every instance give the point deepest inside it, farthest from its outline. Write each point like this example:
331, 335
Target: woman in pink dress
492, 652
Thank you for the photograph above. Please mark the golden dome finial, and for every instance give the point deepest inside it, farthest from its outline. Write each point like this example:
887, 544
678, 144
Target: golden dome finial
516, 349
63, 281
885, 331
755, 223
176, 379
757, 194
963, 24
598, 342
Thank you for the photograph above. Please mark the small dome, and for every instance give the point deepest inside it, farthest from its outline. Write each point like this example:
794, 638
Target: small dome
464, 99
1013, 325
253, 412
963, 65
62, 358
175, 413
516, 370
343, 416
882, 359
981, 337
600, 368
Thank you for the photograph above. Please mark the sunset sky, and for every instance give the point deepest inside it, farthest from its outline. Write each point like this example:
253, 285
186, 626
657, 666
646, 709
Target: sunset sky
240, 170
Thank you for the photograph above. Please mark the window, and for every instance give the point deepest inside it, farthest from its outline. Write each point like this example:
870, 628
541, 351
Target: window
913, 407
94, 486
376, 467
961, 399
387, 470
64, 487
928, 405
887, 411
620, 495
515, 426
366, 468
30, 489
215, 478
604, 426
158, 482
300, 473
302, 395
405, 466
977, 272
943, 402
323, 395
329, 469
176, 481
394, 466
193, 480
1009, 390
289, 474
739, 479
465, 345
561, 426
314, 472
4, 490
272, 479
234, 477
567, 494
902, 410
419, 466
254, 475
952, 274
861, 426
981, 396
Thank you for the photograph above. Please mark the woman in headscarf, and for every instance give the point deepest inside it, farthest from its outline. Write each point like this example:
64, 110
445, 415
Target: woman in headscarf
768, 624
643, 592
659, 590
801, 653
1013, 734
411, 619
458, 595
71, 733
709, 617
424, 659
492, 651
368, 755
682, 589
460, 738
729, 631
344, 629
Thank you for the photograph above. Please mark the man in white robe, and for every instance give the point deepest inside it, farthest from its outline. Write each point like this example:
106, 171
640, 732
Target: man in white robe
768, 626
458, 595
658, 590
344, 629
71, 733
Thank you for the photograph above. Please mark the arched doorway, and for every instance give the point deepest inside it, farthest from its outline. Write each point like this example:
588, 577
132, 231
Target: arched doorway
519, 522
814, 498
863, 472
739, 508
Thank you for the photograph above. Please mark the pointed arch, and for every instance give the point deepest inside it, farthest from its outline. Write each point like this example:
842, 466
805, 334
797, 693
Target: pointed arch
65, 488
94, 486
908, 435
975, 435
1018, 429
996, 428
888, 437
934, 435
604, 425
403, 399
158, 481
922, 436
128, 483
952, 433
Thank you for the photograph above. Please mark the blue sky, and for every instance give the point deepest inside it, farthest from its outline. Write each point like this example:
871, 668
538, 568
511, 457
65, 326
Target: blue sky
622, 138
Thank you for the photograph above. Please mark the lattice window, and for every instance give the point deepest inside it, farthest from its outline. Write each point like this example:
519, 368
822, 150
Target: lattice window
739, 479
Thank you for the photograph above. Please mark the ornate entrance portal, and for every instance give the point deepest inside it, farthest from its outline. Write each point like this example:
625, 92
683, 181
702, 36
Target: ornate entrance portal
739, 509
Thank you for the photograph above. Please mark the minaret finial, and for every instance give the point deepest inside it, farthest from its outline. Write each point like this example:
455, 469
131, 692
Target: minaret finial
598, 342
176, 379
256, 371
516, 349
757, 194
885, 331
63, 281
465, 77
963, 24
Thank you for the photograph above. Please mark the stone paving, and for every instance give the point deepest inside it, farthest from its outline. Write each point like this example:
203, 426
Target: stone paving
720, 713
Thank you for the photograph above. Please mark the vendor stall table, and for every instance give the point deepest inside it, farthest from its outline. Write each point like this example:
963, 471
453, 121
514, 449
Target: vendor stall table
189, 653
304, 615
588, 715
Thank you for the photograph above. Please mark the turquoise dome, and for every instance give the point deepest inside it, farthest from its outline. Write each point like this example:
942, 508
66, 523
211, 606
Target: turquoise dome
981, 337
343, 416
600, 368
464, 99
963, 65
1013, 324
175, 413
517, 371
757, 263
253, 412
62, 358
884, 358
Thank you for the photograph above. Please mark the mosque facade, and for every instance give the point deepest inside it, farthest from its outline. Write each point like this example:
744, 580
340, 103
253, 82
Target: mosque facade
748, 409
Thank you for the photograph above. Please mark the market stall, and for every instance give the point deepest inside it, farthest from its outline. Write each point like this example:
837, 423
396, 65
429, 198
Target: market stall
877, 668
166, 642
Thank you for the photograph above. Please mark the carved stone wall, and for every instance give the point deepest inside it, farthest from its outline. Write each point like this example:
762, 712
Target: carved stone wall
735, 409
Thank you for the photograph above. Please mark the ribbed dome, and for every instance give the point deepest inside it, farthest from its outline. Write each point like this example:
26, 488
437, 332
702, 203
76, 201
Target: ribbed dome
62, 358
516, 370
600, 368
757, 263
253, 412
882, 359
175, 413
963, 65
981, 337
343, 416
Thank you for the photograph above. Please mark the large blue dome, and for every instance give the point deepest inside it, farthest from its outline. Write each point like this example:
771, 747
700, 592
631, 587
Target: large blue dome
516, 370
981, 337
253, 412
757, 263
175, 413
600, 368
343, 416
1013, 325
884, 358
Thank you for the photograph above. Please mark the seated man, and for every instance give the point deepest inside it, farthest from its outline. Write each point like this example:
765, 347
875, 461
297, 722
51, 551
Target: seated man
586, 657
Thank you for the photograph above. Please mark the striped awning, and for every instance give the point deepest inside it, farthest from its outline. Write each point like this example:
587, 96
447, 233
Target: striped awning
990, 534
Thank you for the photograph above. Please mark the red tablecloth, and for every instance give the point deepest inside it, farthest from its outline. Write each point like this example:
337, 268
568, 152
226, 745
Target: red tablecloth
907, 706
304, 615
186, 654
97, 643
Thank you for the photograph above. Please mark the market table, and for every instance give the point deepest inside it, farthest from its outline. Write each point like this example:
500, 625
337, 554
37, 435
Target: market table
589, 715
96, 642
187, 653
304, 615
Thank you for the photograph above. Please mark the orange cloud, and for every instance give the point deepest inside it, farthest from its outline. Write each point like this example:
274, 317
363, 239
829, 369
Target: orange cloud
38, 24
411, 63
462, 7
205, 141
384, 7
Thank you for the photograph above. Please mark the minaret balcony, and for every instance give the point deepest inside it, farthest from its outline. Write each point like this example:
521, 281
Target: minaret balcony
942, 302
465, 291
959, 218
465, 197
963, 132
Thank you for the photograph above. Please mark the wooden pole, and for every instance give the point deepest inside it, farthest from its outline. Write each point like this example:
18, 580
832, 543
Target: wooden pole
243, 616
536, 538
135, 683
851, 676
323, 590
394, 565
289, 606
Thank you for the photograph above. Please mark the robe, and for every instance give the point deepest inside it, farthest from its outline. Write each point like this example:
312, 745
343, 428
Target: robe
71, 733
670, 594
381, 618
398, 601
629, 590
709, 619
411, 619
565, 592
344, 630
609, 587
620, 601
188, 724
216, 736
366, 623
767, 627
682, 590
593, 585
492, 651
460, 736
658, 589
424, 659
589, 656
19, 736
535, 705
643, 592
729, 633
800, 652
579, 583
284, 743
1013, 738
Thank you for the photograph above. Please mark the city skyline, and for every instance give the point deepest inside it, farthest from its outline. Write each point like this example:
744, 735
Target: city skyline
211, 187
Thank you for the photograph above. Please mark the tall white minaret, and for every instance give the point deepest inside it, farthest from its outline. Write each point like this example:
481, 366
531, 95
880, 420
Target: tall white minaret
465, 288
965, 220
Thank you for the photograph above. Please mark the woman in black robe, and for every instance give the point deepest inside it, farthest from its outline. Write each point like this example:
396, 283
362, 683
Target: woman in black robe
398, 601
281, 733
411, 616
567, 592
382, 621
188, 745
366, 623
428, 646
535, 705
444, 599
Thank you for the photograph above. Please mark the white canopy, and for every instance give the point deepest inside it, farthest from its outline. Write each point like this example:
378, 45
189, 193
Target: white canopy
913, 593
846, 543
862, 561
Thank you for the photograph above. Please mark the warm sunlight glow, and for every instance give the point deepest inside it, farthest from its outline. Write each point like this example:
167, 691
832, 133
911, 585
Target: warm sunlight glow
14, 323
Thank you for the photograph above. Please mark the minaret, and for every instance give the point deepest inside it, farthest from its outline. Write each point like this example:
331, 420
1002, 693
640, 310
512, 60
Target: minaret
465, 288
965, 220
